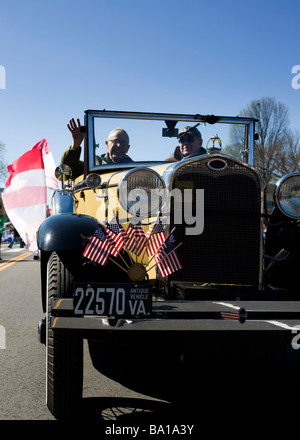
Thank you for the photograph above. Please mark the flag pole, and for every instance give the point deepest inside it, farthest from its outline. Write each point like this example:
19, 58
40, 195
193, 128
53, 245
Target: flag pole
149, 238
118, 264
128, 252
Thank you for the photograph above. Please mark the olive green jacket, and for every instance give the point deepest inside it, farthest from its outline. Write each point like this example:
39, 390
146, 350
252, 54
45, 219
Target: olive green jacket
72, 158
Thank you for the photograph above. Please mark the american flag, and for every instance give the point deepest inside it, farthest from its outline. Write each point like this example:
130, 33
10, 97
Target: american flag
118, 235
168, 261
99, 247
136, 238
155, 238
230, 315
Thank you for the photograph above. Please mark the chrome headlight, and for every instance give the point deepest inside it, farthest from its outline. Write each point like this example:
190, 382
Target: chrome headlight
141, 191
287, 195
92, 181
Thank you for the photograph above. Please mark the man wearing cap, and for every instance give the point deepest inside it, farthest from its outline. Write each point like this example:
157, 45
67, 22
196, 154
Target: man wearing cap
190, 142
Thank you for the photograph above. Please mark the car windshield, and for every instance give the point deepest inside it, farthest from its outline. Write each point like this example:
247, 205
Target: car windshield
155, 138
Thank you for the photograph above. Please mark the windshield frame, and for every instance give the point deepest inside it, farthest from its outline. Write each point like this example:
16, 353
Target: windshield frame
90, 115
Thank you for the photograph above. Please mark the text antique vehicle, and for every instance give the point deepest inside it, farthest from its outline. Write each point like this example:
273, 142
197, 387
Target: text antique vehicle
183, 250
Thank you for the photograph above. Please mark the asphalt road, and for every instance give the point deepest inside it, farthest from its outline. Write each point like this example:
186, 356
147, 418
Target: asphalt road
147, 390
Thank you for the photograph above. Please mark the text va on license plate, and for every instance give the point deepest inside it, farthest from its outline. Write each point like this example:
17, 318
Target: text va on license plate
126, 300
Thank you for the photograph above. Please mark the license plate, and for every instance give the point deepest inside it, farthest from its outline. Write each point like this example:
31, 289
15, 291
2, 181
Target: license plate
124, 300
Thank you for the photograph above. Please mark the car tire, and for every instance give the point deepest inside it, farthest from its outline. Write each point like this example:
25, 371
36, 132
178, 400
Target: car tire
64, 349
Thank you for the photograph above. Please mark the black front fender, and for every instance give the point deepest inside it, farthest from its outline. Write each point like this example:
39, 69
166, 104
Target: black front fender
65, 232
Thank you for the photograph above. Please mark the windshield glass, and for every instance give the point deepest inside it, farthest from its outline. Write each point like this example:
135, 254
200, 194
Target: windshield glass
123, 140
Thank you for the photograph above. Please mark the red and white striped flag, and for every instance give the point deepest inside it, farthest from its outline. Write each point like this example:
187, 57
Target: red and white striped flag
25, 195
155, 238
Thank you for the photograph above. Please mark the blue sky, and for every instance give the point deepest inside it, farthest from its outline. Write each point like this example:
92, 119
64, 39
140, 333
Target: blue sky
63, 57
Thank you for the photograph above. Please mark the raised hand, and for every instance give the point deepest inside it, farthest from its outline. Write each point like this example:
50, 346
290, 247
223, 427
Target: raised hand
77, 134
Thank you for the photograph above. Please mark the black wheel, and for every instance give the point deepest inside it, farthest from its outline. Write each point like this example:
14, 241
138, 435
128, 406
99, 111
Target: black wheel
64, 349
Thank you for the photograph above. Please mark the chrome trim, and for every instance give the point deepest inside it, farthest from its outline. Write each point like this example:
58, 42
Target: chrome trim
217, 169
259, 315
276, 193
99, 196
174, 166
282, 255
64, 174
169, 116
214, 149
62, 201
174, 325
194, 118
170, 171
90, 140
205, 306
106, 186
80, 186
251, 133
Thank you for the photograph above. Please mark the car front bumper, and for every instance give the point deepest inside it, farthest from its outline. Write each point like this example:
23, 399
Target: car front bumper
197, 330
188, 316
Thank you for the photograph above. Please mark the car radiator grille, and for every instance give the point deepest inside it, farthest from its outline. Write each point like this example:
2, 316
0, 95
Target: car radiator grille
228, 250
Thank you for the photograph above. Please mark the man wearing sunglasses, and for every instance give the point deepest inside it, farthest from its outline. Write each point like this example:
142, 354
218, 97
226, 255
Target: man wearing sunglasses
190, 142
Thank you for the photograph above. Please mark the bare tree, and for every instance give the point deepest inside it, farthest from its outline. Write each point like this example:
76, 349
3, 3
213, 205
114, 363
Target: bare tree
277, 149
290, 160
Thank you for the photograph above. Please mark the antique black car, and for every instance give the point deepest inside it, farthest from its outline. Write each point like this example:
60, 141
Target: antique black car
180, 246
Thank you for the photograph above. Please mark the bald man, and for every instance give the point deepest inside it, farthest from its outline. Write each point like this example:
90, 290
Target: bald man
117, 145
